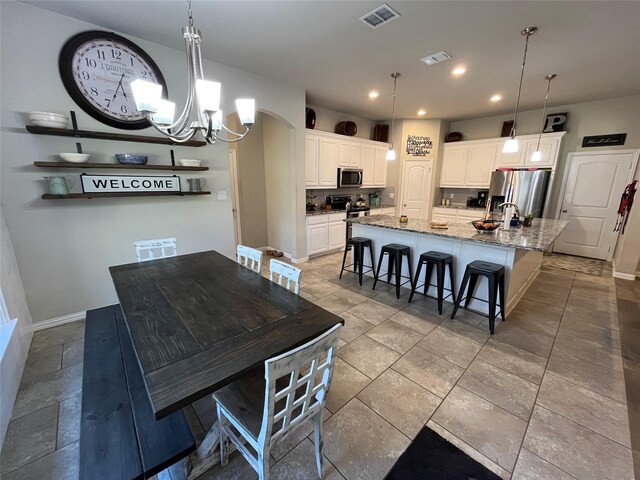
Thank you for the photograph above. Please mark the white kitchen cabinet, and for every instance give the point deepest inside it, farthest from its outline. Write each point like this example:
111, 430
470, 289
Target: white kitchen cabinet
326, 232
466, 216
480, 165
454, 166
349, 154
380, 167
367, 163
383, 211
456, 215
549, 150
511, 160
328, 153
311, 161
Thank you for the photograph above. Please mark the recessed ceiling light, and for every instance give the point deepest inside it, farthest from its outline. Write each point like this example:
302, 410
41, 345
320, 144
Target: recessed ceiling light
422, 112
458, 70
496, 98
373, 94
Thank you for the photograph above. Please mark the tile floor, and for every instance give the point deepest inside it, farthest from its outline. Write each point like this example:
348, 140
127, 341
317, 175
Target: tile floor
544, 398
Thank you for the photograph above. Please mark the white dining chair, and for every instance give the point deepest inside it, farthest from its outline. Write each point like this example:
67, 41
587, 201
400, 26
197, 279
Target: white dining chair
286, 274
265, 407
154, 249
250, 258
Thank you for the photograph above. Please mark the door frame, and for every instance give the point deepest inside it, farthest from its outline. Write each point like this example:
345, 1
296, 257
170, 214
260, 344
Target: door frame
235, 196
565, 178
427, 161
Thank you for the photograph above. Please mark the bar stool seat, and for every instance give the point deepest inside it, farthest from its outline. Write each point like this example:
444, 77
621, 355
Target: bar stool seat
440, 260
495, 275
395, 252
358, 244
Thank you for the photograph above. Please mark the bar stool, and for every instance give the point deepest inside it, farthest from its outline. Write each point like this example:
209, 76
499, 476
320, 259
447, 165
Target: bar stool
495, 275
358, 244
440, 260
396, 252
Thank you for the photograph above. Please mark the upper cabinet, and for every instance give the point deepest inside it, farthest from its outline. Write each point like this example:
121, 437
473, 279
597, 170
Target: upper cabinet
326, 152
469, 164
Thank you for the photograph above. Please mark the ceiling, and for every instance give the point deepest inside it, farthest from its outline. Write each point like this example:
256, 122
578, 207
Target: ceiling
321, 46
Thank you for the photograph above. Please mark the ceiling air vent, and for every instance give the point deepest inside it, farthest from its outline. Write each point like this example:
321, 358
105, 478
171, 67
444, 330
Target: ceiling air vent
436, 58
380, 16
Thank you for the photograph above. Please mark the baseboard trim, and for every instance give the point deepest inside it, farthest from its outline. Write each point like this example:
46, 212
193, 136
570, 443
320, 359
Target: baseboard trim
624, 276
54, 322
300, 260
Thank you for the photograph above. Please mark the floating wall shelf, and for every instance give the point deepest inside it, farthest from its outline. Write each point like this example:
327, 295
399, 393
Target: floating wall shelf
174, 168
65, 132
48, 196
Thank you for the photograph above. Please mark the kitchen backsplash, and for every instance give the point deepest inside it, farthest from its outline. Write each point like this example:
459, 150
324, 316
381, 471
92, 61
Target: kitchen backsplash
354, 192
457, 196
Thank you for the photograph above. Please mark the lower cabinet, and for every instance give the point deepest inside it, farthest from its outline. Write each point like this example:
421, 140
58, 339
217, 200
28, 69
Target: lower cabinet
326, 232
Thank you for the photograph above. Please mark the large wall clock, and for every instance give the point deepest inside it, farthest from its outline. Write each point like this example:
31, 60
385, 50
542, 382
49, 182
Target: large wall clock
97, 69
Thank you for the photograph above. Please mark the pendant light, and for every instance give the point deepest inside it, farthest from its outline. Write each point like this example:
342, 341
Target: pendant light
537, 155
511, 145
391, 154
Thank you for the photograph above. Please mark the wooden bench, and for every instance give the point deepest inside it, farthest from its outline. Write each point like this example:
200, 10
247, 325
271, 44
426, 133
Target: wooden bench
119, 435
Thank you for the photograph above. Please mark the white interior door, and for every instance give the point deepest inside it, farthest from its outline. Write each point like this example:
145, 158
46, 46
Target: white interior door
592, 193
416, 188
235, 196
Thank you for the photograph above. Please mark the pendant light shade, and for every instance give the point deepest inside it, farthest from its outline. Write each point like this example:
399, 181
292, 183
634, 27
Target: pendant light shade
537, 155
391, 154
511, 145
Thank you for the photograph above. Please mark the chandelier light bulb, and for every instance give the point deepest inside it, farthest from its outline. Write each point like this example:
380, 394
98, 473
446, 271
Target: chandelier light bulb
536, 156
510, 146
208, 94
165, 112
391, 154
147, 95
246, 110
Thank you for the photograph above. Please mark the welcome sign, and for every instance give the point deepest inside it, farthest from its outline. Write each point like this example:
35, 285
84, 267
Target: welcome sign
129, 183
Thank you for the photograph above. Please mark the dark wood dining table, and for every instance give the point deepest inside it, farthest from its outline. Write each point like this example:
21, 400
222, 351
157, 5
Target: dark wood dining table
199, 321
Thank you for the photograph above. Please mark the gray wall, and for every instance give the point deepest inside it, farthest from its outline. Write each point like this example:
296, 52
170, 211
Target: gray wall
64, 247
326, 121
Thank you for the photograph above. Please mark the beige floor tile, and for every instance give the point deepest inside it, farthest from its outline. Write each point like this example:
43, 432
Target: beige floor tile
353, 296
283, 447
553, 295
395, 336
514, 360
42, 360
596, 378
589, 351
558, 271
474, 421
416, 320
346, 383
361, 444
553, 279
608, 338
536, 317
583, 278
532, 342
372, 311
532, 467
320, 289
69, 421
450, 346
72, 353
401, 402
334, 304
353, 327
576, 449
66, 333
429, 371
603, 292
604, 317
28, 438
368, 356
593, 303
506, 390
589, 409
300, 464
467, 328
389, 298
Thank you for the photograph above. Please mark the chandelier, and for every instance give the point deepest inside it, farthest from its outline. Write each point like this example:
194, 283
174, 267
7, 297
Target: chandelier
203, 94
391, 154
511, 145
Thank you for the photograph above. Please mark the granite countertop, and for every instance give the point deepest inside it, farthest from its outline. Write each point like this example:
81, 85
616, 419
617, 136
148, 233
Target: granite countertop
537, 237
322, 211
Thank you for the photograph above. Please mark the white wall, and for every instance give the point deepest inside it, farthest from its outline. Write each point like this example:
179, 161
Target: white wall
64, 247
277, 143
16, 335
614, 115
326, 121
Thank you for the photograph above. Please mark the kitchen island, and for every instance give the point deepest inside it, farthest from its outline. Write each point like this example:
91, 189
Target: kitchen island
518, 249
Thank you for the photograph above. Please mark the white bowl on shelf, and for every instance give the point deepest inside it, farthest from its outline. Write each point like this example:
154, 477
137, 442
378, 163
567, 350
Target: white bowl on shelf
75, 157
48, 119
187, 162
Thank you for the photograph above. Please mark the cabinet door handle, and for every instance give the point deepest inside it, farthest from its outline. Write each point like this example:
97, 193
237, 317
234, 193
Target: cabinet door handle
564, 211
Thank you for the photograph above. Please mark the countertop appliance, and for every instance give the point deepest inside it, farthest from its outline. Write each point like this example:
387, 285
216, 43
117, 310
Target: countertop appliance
340, 202
349, 177
527, 188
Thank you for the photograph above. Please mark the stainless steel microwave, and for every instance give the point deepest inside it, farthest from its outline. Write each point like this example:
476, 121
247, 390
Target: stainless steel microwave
349, 177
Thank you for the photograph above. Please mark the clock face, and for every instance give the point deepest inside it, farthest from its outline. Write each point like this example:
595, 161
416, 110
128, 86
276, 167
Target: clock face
97, 69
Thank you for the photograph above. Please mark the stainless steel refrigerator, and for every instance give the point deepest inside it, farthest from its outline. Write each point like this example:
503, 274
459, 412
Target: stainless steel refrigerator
526, 188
